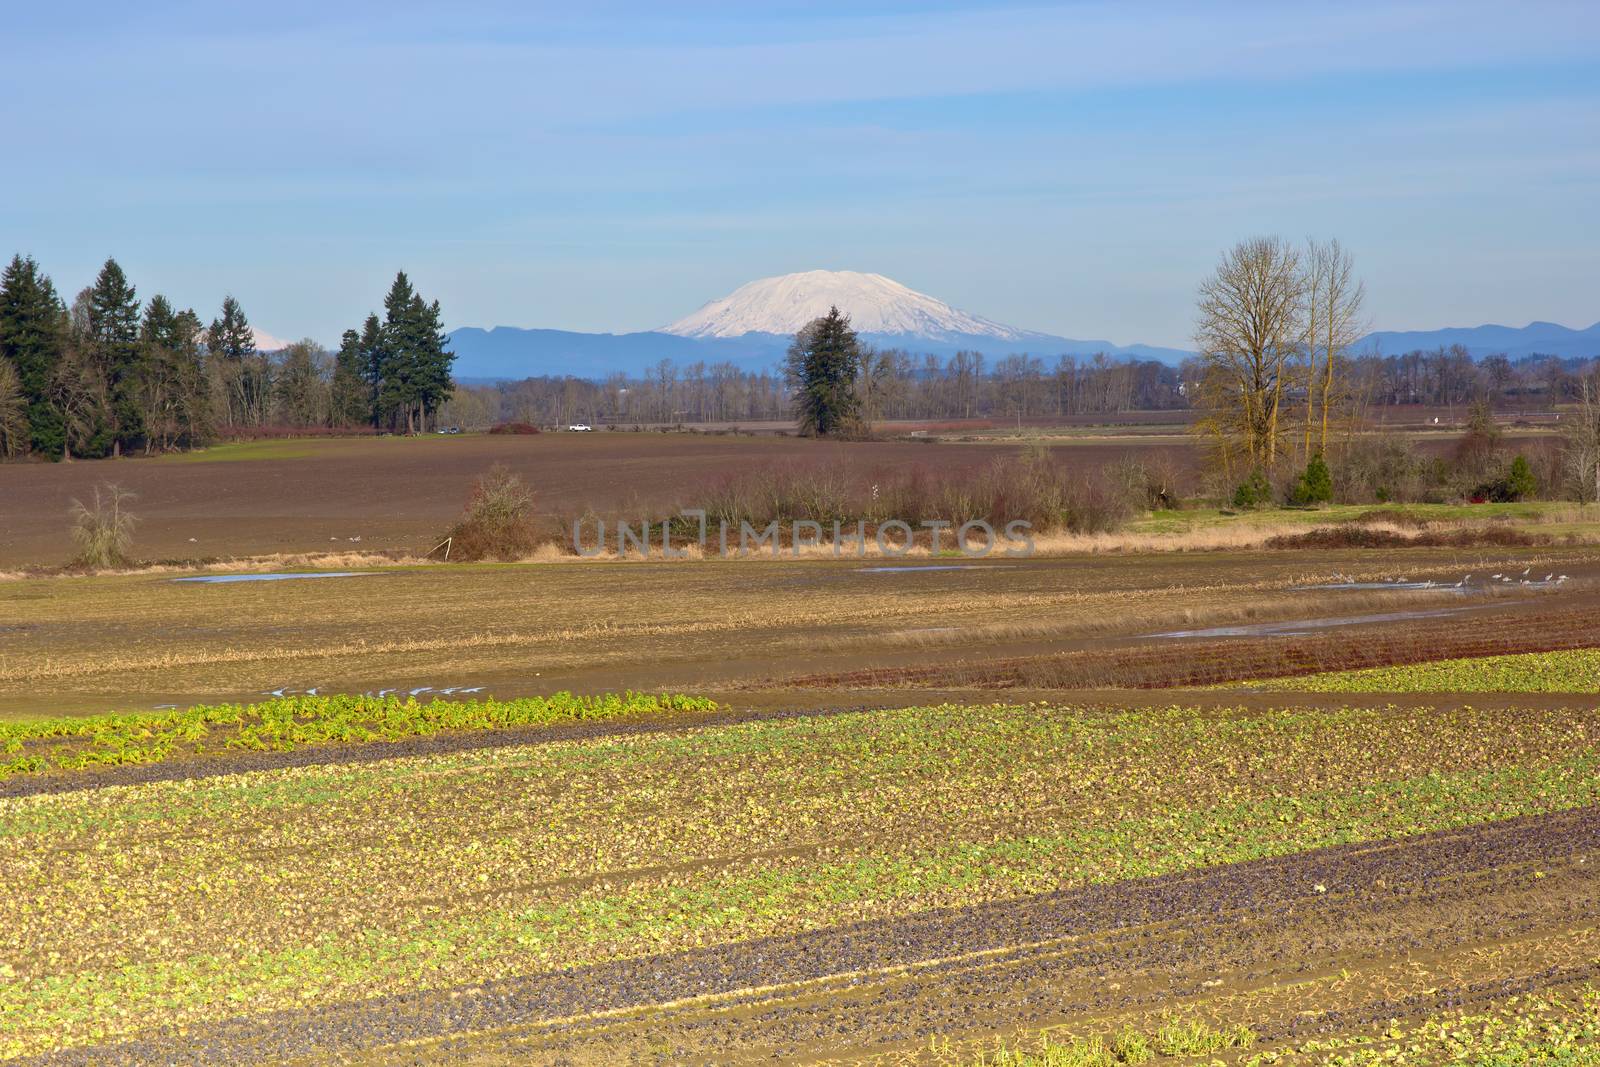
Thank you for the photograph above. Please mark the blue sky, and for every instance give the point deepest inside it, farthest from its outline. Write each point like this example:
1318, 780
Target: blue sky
1073, 168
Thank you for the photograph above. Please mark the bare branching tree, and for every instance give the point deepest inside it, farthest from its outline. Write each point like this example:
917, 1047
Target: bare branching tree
13, 412
1334, 322
1251, 323
1581, 451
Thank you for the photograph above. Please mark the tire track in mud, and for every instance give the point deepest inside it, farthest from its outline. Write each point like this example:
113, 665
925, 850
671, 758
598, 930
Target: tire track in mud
1031, 961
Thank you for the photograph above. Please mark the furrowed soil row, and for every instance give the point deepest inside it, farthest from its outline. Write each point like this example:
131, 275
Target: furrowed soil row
1169, 664
1092, 953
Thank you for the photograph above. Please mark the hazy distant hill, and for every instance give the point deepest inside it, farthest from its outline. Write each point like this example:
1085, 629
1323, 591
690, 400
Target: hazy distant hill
1536, 338
753, 325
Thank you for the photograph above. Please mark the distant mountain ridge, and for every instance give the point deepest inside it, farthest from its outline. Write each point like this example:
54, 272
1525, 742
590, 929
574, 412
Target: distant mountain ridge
1536, 338
752, 326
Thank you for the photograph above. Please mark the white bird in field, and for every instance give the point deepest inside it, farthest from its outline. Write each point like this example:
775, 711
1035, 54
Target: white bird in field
1562, 578
1549, 576
193, 540
277, 693
357, 537
1525, 571
312, 691
1494, 576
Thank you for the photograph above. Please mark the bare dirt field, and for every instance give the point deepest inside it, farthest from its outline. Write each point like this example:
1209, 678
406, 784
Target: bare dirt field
396, 493
297, 496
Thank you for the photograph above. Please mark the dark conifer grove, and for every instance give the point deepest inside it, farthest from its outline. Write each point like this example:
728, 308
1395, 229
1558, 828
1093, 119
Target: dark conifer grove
110, 375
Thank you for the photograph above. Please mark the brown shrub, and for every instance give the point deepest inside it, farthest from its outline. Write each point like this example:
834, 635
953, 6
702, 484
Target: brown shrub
1353, 536
1389, 517
514, 428
498, 522
103, 529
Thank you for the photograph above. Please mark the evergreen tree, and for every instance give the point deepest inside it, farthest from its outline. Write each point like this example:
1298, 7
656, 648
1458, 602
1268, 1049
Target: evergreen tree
412, 365
1520, 482
433, 361
244, 372
351, 400
33, 338
1315, 484
822, 366
374, 358
114, 336
398, 361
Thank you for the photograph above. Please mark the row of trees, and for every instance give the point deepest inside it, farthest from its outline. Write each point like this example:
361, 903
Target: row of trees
890, 384
107, 374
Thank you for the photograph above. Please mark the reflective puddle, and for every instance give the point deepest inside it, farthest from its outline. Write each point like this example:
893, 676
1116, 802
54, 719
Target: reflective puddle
223, 579
1299, 627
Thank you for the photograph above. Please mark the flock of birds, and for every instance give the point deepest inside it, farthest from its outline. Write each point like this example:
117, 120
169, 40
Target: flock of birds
285, 691
1505, 579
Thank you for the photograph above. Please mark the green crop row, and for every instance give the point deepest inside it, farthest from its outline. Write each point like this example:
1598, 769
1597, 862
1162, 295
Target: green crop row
294, 722
305, 886
1549, 1028
1575, 671
1555, 1029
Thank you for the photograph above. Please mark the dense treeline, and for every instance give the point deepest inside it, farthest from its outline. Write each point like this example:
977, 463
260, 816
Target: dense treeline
1450, 376
897, 385
891, 384
107, 375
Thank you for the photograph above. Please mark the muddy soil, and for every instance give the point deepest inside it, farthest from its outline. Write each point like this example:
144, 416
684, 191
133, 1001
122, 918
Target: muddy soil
1442, 920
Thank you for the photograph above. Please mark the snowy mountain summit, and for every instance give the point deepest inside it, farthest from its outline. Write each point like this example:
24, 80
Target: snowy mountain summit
876, 306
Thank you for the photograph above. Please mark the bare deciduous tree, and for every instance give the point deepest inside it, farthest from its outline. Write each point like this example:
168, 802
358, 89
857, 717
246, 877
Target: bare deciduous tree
1582, 448
1251, 323
13, 412
1334, 299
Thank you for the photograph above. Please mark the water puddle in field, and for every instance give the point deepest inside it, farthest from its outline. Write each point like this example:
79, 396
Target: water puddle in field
223, 579
1304, 627
930, 567
1394, 586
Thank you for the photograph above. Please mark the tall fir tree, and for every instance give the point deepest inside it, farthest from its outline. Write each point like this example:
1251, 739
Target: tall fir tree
114, 336
414, 367
351, 392
822, 365
374, 358
433, 361
398, 371
33, 338
245, 375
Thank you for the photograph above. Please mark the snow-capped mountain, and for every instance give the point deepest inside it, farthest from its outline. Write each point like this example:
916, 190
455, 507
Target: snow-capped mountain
753, 325
875, 304
265, 342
